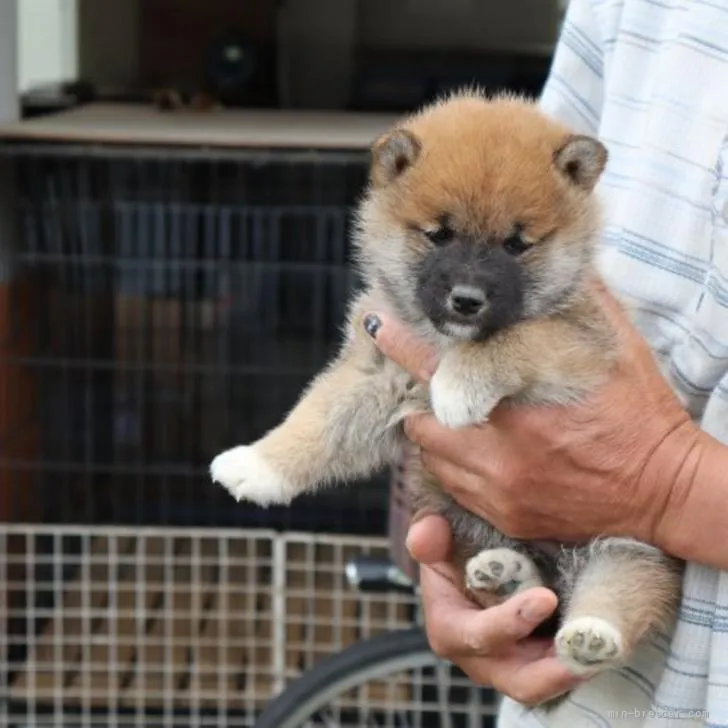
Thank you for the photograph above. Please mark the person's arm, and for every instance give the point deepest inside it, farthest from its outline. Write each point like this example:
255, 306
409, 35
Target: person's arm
694, 525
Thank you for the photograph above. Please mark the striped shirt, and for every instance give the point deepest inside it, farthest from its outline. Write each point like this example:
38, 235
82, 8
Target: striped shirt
650, 79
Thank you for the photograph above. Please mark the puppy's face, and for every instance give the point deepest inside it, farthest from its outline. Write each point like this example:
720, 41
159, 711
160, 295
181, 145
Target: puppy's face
480, 214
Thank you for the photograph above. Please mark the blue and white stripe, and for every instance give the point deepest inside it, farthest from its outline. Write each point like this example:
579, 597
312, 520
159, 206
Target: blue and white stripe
650, 79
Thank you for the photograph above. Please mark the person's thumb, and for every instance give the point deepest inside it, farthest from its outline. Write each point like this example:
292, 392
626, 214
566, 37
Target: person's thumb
429, 539
397, 343
458, 628
617, 312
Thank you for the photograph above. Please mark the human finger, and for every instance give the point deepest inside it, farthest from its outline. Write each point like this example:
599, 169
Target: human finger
464, 446
527, 681
618, 316
400, 345
452, 475
429, 540
457, 628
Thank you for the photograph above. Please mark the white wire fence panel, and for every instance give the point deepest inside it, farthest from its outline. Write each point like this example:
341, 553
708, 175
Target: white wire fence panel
426, 696
172, 627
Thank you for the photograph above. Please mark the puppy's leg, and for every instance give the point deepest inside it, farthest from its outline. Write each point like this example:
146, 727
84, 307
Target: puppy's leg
537, 361
493, 566
616, 591
467, 386
340, 429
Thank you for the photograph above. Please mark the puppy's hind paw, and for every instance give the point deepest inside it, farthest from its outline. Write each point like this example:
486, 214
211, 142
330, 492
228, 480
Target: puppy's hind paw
589, 644
501, 572
247, 476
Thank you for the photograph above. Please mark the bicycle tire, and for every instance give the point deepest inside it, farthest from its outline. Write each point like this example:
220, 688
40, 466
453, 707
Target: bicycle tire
380, 655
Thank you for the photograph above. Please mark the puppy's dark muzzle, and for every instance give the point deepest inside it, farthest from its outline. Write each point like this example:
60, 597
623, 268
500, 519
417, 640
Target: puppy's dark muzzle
471, 283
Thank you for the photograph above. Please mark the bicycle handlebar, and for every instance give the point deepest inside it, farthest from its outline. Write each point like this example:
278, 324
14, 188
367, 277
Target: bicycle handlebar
377, 574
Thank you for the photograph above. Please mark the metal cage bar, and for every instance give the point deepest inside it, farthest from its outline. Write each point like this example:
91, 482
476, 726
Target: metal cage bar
182, 626
168, 304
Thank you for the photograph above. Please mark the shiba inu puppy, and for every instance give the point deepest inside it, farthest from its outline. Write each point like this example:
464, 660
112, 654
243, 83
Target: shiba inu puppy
477, 229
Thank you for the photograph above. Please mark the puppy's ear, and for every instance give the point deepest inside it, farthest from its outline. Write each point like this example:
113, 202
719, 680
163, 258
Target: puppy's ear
581, 160
392, 155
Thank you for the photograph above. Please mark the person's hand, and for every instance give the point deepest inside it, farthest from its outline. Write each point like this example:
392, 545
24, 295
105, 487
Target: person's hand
604, 467
491, 646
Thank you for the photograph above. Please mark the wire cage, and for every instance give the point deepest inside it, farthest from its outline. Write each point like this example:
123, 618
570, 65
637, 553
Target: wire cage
118, 626
161, 305
168, 304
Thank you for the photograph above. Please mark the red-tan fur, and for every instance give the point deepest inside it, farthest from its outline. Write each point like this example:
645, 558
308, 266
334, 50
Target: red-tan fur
491, 167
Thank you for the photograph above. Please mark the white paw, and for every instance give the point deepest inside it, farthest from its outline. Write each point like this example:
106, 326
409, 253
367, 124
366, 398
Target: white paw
456, 402
588, 644
502, 572
247, 476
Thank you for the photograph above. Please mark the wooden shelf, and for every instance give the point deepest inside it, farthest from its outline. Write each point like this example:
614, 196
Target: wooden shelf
146, 125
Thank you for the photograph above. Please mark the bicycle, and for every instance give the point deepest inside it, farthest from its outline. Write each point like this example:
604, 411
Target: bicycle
430, 693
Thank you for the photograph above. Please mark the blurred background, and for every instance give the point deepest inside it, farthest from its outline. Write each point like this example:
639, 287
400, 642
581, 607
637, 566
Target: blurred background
176, 185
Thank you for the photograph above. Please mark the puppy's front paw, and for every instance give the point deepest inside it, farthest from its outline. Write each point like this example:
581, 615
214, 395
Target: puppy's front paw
589, 644
247, 476
456, 402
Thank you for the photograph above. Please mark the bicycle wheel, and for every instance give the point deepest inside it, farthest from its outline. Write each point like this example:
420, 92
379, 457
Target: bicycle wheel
392, 680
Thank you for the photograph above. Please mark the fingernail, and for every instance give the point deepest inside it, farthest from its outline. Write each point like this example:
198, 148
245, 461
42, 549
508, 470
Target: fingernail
535, 611
372, 324
407, 544
418, 516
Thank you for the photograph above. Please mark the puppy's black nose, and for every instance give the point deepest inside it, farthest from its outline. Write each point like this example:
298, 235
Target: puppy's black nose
466, 300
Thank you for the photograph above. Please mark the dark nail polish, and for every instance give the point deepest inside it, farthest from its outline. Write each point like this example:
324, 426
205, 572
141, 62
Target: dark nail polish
372, 324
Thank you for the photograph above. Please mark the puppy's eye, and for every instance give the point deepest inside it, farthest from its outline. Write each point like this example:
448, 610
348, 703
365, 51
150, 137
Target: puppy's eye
441, 236
515, 245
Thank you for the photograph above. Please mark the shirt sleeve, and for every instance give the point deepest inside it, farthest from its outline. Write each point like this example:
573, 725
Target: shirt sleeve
573, 92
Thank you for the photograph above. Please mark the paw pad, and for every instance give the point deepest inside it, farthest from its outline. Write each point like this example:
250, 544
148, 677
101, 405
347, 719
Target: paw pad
589, 643
501, 572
